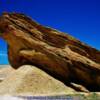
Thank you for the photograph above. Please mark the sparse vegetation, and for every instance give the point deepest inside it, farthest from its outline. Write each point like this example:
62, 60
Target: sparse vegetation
89, 96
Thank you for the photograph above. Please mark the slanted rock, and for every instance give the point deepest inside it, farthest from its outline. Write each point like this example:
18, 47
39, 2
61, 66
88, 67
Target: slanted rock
62, 56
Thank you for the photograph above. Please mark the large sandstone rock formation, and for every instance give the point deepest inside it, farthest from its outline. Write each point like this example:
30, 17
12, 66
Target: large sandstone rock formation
29, 80
59, 54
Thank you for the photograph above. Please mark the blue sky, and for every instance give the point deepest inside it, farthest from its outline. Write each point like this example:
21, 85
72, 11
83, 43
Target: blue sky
79, 18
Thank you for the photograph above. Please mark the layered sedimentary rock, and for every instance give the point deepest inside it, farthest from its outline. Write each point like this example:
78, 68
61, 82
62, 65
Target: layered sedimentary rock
59, 54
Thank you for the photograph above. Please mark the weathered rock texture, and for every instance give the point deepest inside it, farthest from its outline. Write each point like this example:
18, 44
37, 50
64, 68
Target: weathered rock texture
59, 54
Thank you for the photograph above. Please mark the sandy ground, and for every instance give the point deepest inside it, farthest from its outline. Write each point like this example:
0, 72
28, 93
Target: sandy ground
30, 80
3, 66
5, 70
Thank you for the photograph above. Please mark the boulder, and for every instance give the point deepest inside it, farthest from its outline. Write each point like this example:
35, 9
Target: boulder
60, 55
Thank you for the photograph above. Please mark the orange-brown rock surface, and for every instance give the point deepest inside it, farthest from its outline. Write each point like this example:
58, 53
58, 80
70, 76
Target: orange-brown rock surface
59, 54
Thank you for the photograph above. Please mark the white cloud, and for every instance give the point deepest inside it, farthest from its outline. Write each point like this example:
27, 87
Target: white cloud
3, 54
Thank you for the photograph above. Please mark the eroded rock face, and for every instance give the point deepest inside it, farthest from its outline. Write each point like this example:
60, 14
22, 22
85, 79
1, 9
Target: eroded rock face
59, 54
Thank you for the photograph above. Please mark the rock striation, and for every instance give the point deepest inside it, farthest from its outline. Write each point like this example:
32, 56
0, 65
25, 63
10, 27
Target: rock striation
60, 55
